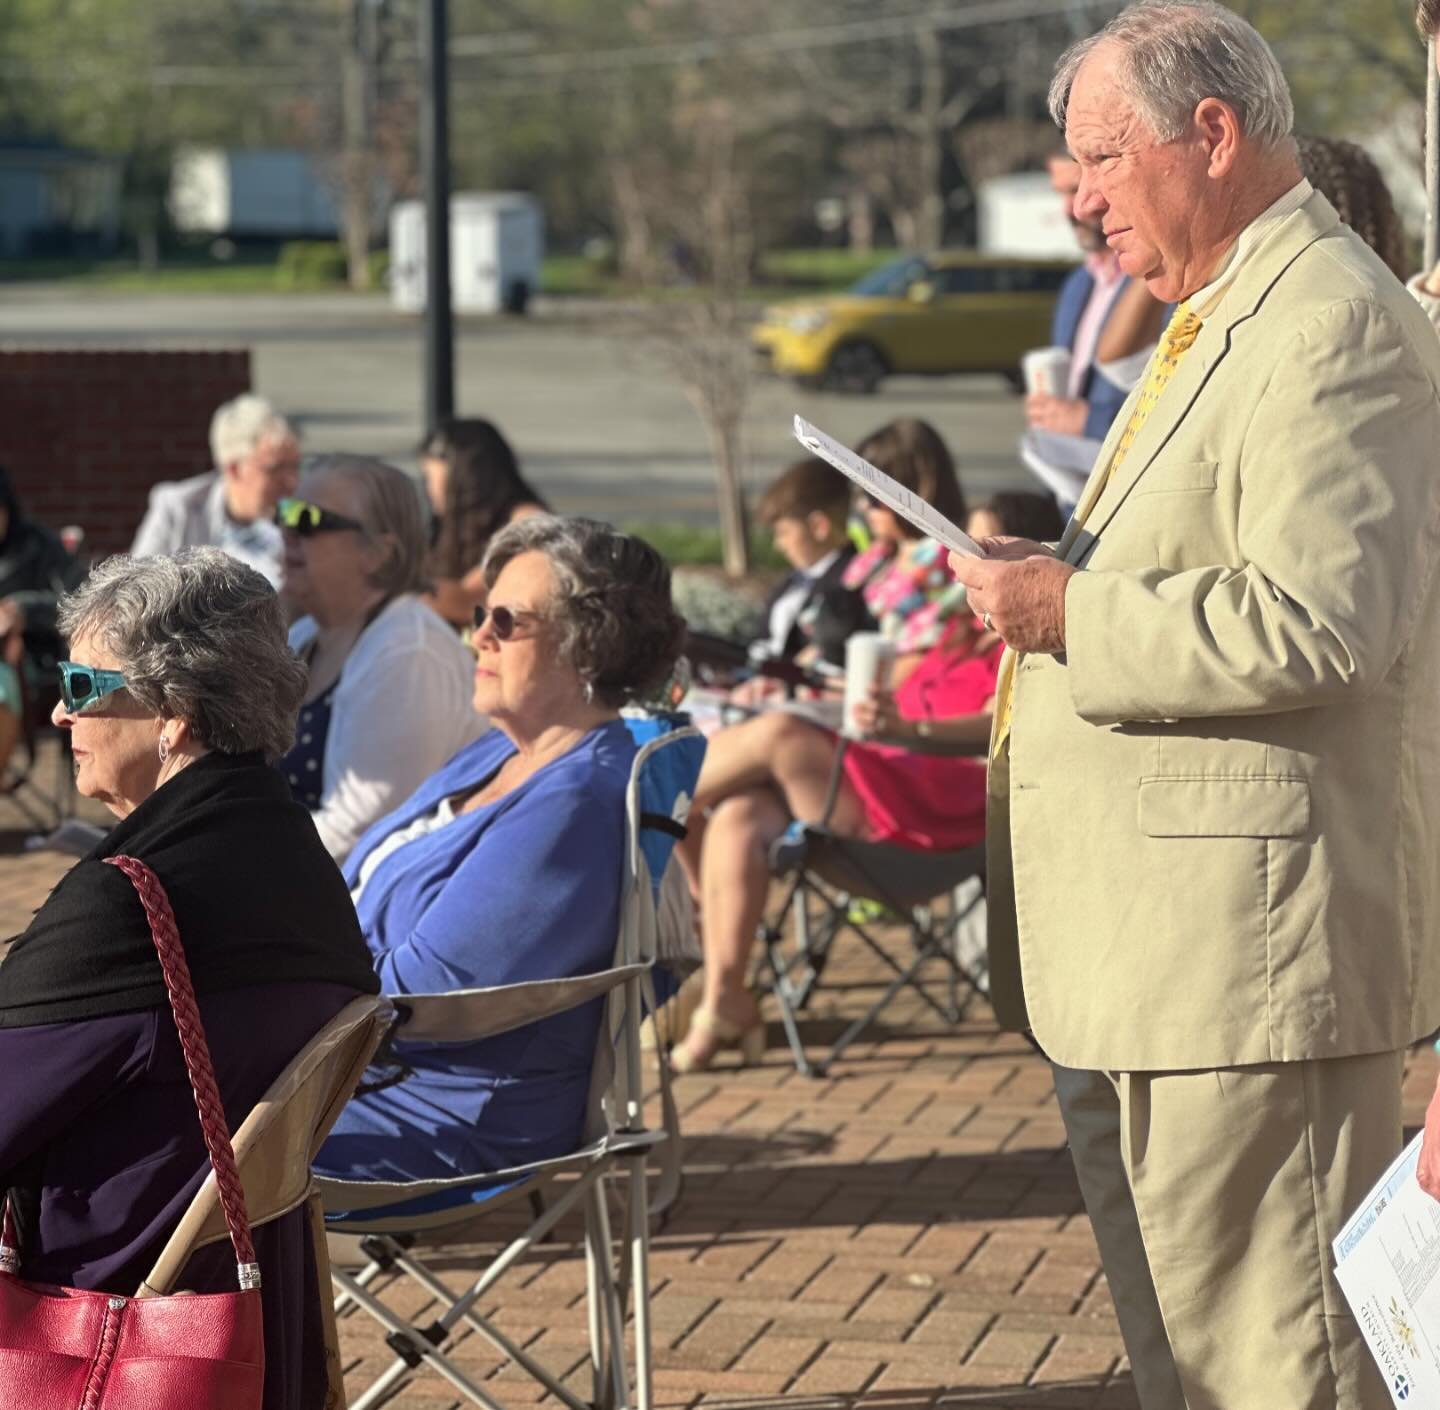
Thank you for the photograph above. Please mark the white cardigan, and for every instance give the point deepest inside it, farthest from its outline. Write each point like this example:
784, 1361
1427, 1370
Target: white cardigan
401, 709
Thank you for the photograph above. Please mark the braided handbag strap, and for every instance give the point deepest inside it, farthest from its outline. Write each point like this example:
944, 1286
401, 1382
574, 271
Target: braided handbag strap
173, 965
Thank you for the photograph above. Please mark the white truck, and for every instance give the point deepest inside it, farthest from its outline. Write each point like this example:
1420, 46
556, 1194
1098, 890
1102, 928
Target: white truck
497, 240
264, 191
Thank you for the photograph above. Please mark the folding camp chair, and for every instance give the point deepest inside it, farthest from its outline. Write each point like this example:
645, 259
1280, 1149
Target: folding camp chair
274, 1148
43, 807
393, 1217
827, 874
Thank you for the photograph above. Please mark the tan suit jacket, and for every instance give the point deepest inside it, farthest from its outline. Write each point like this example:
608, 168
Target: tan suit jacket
1215, 833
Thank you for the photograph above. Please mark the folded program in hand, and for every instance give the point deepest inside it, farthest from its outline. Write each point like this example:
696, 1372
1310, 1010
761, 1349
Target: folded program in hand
891, 493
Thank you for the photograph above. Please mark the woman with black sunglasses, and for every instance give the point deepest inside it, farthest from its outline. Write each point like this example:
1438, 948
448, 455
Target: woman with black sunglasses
388, 698
506, 866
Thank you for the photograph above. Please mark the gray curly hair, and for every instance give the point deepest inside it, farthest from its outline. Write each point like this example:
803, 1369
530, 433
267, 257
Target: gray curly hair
1174, 54
618, 627
199, 637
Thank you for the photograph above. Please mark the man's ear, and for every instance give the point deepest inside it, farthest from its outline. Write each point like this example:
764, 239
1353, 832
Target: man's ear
1219, 127
821, 525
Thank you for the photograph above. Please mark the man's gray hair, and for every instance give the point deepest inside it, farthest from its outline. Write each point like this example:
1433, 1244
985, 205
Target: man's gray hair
388, 502
198, 637
617, 626
1174, 54
239, 426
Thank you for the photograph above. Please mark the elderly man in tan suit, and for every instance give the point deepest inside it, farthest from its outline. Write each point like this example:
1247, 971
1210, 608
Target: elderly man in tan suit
1215, 825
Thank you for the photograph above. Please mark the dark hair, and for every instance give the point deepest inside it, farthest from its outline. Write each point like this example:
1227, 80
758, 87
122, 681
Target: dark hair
808, 486
913, 452
1427, 17
10, 503
1349, 179
617, 625
1026, 514
483, 488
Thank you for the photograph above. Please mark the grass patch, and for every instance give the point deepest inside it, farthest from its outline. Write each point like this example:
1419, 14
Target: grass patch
821, 269
698, 545
320, 265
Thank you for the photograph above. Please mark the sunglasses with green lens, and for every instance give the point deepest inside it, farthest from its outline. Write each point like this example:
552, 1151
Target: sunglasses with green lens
83, 687
304, 518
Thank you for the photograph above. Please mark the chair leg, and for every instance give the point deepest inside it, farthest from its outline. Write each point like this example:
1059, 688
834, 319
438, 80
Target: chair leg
595, 1314
598, 1213
334, 1367
639, 1256
420, 1349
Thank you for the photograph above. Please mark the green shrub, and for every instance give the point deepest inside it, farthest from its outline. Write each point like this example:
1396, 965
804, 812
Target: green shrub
682, 544
309, 264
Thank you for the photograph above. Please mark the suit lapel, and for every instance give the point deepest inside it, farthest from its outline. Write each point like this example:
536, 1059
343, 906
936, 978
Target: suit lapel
1102, 501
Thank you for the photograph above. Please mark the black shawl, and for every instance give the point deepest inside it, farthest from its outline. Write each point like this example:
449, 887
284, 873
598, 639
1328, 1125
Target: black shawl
256, 897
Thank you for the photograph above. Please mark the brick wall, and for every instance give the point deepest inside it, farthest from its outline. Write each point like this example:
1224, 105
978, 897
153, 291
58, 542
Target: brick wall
85, 434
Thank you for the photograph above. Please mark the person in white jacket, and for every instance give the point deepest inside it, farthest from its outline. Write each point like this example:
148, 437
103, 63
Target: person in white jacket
257, 458
389, 696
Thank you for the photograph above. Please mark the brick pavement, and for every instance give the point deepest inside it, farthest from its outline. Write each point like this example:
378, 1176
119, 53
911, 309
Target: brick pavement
903, 1234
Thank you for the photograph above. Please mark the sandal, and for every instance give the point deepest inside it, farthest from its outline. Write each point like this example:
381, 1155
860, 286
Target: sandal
710, 1035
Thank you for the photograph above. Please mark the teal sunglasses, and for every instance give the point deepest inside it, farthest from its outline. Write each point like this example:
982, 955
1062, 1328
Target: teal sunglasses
83, 687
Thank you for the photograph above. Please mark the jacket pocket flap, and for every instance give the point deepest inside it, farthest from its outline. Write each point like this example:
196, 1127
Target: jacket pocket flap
1179, 477
1224, 807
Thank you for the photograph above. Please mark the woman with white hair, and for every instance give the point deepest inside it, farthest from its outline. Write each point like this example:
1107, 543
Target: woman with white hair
388, 698
179, 694
256, 453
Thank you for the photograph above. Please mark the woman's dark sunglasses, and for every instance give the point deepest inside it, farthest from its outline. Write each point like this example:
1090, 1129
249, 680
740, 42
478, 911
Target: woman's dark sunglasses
84, 686
504, 621
304, 518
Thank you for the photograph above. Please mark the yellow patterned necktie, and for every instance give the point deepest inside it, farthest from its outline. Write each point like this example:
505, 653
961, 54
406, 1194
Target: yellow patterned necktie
1180, 335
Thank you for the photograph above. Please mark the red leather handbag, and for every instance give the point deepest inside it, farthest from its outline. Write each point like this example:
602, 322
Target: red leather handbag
64, 1349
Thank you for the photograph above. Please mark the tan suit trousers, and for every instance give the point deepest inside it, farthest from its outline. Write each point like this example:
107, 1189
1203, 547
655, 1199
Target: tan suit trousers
1214, 1196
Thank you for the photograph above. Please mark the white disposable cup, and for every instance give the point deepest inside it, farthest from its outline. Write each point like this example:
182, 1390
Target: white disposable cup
1047, 370
869, 657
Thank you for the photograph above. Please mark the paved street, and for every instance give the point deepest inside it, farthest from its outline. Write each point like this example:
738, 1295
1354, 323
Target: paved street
597, 419
902, 1235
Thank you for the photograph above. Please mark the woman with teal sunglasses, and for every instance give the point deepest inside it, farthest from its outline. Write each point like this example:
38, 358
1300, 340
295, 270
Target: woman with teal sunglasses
179, 692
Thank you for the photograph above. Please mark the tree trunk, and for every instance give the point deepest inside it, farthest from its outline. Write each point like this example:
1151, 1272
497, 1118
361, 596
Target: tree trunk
357, 161
355, 218
860, 222
930, 153
725, 443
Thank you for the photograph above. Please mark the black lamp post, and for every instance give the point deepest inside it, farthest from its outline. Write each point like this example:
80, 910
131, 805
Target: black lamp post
435, 161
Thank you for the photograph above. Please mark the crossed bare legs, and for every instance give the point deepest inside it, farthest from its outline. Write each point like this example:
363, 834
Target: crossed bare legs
757, 776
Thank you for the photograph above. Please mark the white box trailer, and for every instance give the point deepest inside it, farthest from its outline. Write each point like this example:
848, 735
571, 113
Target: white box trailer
497, 240
269, 191
1022, 215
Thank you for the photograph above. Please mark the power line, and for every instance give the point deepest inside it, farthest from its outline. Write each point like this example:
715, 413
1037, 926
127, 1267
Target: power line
520, 64
847, 32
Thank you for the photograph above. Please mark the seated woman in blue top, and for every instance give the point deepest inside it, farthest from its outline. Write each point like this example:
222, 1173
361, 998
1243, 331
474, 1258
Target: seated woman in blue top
506, 865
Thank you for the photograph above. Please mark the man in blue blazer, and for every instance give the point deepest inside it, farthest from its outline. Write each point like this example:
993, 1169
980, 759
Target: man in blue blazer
1088, 299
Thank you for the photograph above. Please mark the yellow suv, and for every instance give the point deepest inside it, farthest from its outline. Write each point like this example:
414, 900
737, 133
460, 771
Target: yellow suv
935, 314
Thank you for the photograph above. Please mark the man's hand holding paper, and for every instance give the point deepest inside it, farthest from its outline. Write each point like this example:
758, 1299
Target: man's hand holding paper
1018, 588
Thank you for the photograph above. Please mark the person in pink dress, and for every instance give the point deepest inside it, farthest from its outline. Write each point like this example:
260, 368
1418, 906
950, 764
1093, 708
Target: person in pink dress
902, 574
760, 774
